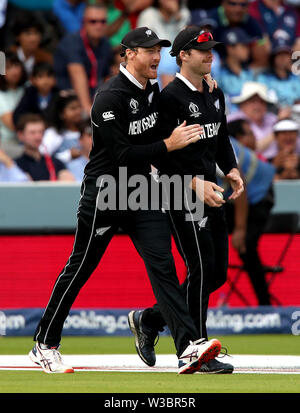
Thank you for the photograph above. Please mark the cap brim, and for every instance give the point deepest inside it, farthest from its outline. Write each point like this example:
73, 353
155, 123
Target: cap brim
206, 45
199, 46
286, 126
154, 42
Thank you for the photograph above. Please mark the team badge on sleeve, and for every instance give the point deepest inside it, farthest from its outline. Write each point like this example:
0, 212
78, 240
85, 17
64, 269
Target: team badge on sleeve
109, 115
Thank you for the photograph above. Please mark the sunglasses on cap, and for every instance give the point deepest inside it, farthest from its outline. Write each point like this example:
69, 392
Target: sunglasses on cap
200, 38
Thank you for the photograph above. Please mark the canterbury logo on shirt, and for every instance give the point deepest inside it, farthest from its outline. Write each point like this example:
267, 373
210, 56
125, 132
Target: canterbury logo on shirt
139, 126
109, 115
210, 130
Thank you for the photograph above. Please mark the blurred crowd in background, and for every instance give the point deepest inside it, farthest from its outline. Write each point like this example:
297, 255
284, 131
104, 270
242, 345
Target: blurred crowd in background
58, 52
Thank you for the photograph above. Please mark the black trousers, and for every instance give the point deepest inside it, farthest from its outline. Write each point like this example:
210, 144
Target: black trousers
203, 246
150, 234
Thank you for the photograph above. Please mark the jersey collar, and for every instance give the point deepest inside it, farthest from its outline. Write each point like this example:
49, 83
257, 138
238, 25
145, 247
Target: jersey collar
132, 78
187, 82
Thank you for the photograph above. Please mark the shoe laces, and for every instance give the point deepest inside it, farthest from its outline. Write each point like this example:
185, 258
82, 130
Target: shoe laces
156, 339
54, 354
149, 336
57, 356
223, 353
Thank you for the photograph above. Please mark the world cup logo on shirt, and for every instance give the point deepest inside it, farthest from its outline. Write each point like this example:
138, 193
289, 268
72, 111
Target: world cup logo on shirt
134, 105
194, 109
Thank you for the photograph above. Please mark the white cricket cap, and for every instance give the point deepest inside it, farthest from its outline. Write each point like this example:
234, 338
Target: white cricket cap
286, 125
250, 89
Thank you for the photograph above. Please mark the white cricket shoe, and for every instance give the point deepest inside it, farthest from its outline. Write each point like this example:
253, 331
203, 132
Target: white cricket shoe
197, 353
49, 359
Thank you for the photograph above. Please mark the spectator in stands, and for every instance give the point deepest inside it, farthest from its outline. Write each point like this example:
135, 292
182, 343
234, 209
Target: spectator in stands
287, 160
39, 94
70, 13
280, 78
28, 34
194, 4
274, 16
296, 5
82, 59
116, 61
9, 171
234, 13
118, 24
166, 18
38, 167
61, 139
234, 71
76, 166
11, 91
247, 224
253, 106
132, 8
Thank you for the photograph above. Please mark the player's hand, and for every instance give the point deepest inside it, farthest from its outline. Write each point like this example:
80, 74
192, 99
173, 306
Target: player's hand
182, 136
206, 192
212, 83
236, 183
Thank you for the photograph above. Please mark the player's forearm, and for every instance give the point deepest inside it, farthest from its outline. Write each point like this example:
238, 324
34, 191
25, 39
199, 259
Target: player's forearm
225, 157
241, 212
141, 154
235, 170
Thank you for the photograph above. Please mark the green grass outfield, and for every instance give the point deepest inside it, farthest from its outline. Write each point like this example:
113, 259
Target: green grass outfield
130, 382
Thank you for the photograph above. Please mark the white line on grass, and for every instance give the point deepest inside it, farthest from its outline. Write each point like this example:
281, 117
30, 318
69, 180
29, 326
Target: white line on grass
256, 364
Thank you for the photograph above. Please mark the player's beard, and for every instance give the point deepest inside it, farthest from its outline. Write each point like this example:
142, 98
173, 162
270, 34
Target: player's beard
149, 71
203, 69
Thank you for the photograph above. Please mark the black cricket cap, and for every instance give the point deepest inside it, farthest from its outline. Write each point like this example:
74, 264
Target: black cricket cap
142, 37
235, 35
192, 37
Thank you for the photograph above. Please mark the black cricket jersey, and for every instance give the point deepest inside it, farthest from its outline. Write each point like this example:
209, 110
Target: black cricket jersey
124, 117
180, 101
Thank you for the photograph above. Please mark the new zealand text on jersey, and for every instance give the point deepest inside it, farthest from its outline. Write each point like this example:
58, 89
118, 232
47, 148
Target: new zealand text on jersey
139, 126
210, 130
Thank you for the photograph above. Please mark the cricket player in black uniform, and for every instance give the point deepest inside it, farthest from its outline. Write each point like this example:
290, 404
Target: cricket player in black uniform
124, 116
203, 243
